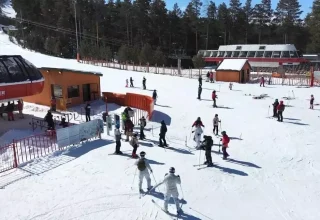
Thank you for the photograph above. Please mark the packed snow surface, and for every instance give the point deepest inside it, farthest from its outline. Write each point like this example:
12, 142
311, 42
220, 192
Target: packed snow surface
273, 172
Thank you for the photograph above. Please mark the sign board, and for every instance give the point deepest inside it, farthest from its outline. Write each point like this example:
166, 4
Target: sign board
317, 75
77, 133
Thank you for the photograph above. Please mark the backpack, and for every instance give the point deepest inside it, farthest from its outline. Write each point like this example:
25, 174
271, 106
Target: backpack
141, 165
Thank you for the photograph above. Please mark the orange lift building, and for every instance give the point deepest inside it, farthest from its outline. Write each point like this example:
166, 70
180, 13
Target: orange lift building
68, 87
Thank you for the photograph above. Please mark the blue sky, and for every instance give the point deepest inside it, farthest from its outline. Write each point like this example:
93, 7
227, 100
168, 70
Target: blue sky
305, 4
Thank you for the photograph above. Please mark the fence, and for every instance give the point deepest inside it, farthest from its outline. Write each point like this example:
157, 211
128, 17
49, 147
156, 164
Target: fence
143, 104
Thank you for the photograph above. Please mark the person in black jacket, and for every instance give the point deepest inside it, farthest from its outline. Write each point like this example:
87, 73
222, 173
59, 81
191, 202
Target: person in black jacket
142, 124
199, 92
63, 123
207, 145
49, 119
200, 80
131, 82
275, 105
88, 112
163, 131
144, 83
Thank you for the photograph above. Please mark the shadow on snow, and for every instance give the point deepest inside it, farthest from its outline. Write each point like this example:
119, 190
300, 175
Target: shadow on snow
158, 116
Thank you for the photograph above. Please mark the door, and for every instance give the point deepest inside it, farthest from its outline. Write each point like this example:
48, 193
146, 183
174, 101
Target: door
86, 92
242, 79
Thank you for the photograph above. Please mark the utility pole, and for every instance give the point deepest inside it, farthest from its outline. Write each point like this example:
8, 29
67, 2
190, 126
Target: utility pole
179, 55
75, 22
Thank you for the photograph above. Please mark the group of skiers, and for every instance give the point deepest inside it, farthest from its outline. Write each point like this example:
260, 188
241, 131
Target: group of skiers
210, 77
278, 109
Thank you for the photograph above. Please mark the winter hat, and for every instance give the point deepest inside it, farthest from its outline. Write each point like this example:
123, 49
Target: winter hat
199, 119
216, 115
276, 100
172, 170
281, 102
223, 132
142, 153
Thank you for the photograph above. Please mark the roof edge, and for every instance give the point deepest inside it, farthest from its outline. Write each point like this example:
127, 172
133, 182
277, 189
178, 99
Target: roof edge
71, 70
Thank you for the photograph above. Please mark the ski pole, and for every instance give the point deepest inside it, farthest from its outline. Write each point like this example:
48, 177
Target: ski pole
268, 110
154, 179
220, 125
134, 177
182, 192
219, 146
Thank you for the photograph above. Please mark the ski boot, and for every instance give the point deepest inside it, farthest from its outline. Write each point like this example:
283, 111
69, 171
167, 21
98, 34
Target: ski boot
141, 191
210, 165
179, 211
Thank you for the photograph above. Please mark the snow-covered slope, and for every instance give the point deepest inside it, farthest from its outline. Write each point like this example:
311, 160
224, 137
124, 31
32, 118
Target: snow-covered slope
273, 173
8, 10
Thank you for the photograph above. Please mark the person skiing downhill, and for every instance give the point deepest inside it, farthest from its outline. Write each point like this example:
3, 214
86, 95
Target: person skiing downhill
155, 96
197, 123
207, 145
143, 166
216, 121
197, 136
214, 97
225, 142
311, 102
171, 181
135, 144
275, 105
280, 109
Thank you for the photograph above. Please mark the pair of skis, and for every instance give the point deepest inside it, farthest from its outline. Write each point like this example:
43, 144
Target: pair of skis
174, 216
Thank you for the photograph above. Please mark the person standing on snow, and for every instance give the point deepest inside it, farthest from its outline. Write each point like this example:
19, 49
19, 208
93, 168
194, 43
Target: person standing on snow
211, 77
131, 82
88, 111
155, 96
200, 80
214, 97
117, 136
127, 82
280, 109
163, 131
275, 105
262, 81
311, 102
171, 181
199, 92
197, 136
142, 124
208, 76
225, 142
143, 166
135, 144
207, 145
230, 86
144, 80
216, 121
197, 123
128, 128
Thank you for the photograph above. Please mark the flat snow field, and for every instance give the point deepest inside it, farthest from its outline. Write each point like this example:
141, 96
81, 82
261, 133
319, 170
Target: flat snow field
273, 172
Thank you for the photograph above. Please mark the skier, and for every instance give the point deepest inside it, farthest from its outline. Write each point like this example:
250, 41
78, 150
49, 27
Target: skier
198, 122
163, 131
225, 142
49, 119
199, 92
171, 180
143, 124
135, 144
143, 166
131, 82
197, 136
262, 81
280, 109
230, 86
275, 105
117, 136
207, 145
208, 76
311, 102
200, 80
144, 83
216, 124
127, 82
214, 97
124, 117
211, 77
88, 110
155, 96
128, 128
10, 109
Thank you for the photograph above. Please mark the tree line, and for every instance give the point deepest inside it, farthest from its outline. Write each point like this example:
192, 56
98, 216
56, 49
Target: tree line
146, 31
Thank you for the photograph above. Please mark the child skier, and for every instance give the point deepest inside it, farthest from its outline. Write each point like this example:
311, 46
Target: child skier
230, 86
225, 142
143, 166
216, 121
142, 124
171, 180
135, 144
311, 102
280, 109
117, 136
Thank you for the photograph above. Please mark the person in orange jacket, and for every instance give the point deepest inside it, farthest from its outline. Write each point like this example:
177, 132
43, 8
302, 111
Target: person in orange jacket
225, 142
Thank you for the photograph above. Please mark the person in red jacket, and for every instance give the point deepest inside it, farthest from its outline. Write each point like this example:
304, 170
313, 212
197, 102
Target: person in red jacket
128, 128
280, 109
311, 102
214, 97
262, 81
225, 142
211, 77
198, 122
20, 108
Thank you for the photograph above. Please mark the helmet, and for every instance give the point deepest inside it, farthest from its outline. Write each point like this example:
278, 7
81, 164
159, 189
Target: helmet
216, 115
172, 170
223, 132
198, 118
142, 153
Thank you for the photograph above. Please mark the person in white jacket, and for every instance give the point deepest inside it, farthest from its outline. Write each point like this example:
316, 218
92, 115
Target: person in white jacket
171, 180
143, 166
197, 136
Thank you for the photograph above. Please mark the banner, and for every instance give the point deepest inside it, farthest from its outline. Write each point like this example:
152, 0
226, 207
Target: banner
77, 133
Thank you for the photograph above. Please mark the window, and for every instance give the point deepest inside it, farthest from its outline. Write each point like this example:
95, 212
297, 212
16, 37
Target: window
251, 53
33, 72
56, 91
259, 53
262, 47
220, 53
4, 76
276, 54
73, 92
268, 54
214, 53
243, 54
238, 48
285, 54
235, 54
228, 54
17, 75
293, 54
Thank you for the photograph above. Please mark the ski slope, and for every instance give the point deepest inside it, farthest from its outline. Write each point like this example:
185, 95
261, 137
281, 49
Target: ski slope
273, 173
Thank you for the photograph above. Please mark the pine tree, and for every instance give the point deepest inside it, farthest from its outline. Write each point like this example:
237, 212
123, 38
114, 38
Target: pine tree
262, 17
123, 54
225, 22
313, 22
146, 54
158, 57
193, 12
198, 61
159, 21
